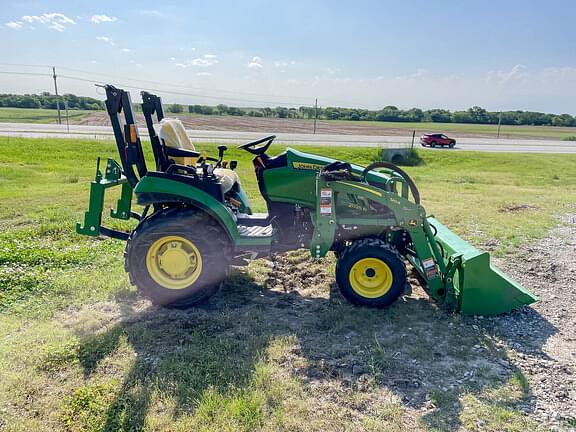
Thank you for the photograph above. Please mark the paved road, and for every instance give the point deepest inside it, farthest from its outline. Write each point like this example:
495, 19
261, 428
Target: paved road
234, 137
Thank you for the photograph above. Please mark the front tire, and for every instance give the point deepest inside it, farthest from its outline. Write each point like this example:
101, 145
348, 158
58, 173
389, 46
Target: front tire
371, 272
177, 258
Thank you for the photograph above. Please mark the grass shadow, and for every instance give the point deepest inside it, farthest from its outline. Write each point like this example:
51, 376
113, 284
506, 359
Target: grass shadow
204, 360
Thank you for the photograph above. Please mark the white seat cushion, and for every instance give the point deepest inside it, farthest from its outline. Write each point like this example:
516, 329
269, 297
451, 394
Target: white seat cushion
174, 134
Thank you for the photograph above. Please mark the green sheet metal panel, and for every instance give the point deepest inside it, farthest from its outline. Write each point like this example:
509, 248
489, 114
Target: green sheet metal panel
200, 198
296, 182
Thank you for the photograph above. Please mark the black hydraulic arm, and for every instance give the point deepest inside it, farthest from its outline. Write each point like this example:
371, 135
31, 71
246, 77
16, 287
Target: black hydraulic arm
152, 104
126, 134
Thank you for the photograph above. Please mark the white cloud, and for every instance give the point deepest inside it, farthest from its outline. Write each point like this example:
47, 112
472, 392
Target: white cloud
98, 19
126, 50
284, 63
256, 63
205, 61
558, 74
151, 12
420, 73
516, 74
14, 25
55, 21
106, 39
203, 74
201, 62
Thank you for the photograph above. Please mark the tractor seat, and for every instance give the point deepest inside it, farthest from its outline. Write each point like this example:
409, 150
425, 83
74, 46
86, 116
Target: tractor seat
174, 135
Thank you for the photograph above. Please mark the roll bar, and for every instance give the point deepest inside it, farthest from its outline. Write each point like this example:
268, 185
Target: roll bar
126, 134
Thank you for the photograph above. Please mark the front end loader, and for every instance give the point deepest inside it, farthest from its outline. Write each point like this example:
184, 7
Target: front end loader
197, 221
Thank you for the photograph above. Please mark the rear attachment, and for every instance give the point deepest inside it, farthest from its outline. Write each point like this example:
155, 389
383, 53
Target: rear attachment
479, 288
93, 217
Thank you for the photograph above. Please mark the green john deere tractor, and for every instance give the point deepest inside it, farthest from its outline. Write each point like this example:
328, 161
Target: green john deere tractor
197, 221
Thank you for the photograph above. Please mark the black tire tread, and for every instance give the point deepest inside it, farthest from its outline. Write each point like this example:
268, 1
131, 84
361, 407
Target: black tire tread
377, 243
188, 219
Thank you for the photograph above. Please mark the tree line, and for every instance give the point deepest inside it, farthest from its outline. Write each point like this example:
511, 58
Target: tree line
49, 101
476, 114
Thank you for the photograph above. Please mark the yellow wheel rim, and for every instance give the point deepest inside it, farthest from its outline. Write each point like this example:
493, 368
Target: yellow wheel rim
174, 262
370, 277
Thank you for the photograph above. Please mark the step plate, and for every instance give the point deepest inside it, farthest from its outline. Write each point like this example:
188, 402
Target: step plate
255, 231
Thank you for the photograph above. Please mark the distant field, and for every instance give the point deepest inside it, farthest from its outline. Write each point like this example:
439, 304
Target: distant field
337, 127
32, 115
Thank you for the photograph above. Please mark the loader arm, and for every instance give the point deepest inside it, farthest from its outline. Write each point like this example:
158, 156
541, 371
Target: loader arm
456, 275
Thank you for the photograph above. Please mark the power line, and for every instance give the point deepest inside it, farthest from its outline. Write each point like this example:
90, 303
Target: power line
158, 90
25, 73
25, 65
180, 86
92, 81
159, 82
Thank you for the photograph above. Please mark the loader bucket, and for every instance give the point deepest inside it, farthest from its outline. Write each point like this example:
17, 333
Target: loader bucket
480, 288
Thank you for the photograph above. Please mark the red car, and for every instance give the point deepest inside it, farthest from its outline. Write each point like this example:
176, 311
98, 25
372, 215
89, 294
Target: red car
433, 140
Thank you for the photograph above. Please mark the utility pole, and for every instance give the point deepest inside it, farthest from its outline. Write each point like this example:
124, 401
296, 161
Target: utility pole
67, 120
57, 97
499, 123
315, 113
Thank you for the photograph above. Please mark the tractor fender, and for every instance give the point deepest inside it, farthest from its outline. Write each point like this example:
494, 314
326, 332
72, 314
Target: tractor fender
163, 189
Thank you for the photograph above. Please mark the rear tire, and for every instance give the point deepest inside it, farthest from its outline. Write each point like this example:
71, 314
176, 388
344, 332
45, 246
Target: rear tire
177, 258
371, 273
433, 144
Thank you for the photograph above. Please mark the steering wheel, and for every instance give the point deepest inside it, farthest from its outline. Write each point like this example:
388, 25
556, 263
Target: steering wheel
399, 171
251, 146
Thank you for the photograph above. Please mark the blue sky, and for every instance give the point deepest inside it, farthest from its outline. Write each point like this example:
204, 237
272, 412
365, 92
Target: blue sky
449, 54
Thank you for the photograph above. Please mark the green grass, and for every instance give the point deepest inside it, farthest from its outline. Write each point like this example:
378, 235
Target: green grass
38, 115
80, 351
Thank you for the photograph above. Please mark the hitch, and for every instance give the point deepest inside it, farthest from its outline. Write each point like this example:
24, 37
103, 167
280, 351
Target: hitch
93, 217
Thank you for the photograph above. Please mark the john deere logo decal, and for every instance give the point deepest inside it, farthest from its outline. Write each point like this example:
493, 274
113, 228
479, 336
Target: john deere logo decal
306, 166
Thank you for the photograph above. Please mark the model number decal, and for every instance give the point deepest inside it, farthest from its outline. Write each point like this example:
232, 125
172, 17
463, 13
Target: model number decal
307, 166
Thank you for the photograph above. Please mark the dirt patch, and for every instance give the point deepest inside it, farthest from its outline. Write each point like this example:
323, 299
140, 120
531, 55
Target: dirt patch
276, 125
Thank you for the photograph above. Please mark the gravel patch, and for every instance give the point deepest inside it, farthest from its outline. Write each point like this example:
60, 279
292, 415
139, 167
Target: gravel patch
542, 338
